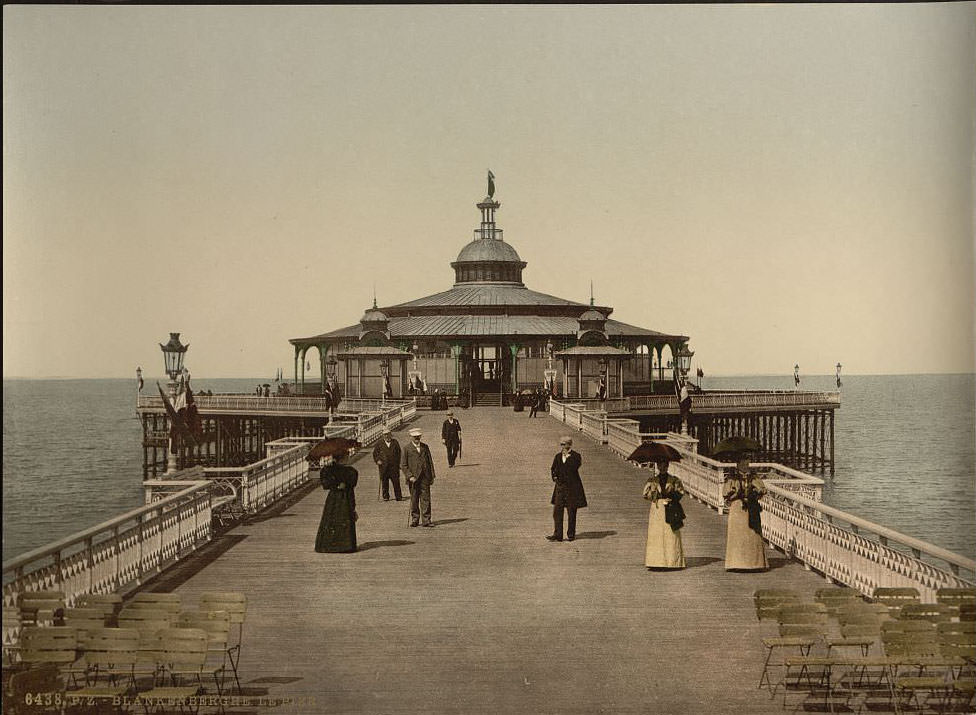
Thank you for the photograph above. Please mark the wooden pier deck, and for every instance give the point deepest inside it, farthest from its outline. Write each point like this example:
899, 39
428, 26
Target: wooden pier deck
483, 615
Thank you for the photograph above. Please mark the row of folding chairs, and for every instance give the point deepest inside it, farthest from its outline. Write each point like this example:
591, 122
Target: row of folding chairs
918, 647
95, 642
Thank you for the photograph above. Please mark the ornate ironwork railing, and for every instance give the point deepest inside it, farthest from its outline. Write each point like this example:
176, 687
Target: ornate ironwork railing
274, 403
257, 485
118, 554
857, 552
733, 400
844, 547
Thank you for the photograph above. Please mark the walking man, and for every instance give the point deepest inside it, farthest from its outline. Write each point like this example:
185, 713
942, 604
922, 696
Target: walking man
418, 468
386, 454
451, 437
568, 491
536, 399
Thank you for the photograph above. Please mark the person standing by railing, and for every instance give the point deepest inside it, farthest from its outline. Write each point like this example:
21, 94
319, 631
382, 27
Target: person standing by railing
744, 547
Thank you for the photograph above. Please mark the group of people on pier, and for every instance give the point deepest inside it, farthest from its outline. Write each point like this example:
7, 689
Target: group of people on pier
742, 490
745, 549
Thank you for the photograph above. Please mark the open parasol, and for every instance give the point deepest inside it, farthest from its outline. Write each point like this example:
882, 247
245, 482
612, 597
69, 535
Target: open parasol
654, 451
736, 445
333, 447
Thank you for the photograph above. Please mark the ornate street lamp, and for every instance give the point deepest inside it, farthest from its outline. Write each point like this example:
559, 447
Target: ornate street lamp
173, 353
838, 375
683, 357
796, 375
330, 367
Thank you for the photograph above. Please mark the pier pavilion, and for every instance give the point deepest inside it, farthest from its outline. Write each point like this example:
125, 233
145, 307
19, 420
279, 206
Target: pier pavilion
488, 337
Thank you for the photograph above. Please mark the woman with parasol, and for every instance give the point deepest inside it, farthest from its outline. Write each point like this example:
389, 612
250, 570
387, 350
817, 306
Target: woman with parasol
666, 517
744, 547
337, 529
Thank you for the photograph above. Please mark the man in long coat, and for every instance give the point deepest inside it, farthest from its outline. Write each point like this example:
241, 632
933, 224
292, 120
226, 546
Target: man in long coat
451, 437
568, 491
386, 454
418, 468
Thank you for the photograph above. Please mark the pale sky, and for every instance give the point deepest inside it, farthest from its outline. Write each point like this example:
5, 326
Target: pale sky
784, 184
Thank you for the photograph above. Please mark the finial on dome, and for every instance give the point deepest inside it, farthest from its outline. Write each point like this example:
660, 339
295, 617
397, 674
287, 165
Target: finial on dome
374, 296
491, 184
591, 293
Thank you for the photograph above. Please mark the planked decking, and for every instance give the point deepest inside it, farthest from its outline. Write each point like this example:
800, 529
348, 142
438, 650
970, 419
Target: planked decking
481, 614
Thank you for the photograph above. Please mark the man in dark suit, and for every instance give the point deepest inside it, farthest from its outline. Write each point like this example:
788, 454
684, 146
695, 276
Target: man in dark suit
451, 437
386, 454
418, 467
568, 491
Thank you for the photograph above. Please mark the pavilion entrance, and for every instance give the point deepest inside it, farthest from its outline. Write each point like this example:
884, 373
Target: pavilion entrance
490, 367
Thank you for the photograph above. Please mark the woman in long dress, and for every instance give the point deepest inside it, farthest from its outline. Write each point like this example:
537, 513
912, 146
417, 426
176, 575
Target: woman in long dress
337, 530
665, 520
744, 547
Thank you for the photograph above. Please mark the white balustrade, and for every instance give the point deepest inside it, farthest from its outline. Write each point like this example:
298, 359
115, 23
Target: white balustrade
845, 548
117, 555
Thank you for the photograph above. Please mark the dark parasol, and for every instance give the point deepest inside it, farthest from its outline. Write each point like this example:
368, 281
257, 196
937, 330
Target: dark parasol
737, 445
333, 447
653, 452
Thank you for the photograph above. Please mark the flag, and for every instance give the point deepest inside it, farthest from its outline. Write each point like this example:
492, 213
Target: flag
796, 378
308, 365
700, 373
180, 419
602, 394
387, 387
491, 184
143, 382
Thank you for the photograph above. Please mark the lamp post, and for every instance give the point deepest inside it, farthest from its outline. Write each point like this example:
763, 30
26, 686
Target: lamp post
838, 375
683, 358
173, 353
796, 376
603, 378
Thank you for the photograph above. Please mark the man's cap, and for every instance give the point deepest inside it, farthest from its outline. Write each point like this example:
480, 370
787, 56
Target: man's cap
450, 413
415, 432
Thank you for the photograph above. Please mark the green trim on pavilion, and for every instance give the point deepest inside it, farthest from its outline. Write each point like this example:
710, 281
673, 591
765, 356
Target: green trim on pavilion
490, 335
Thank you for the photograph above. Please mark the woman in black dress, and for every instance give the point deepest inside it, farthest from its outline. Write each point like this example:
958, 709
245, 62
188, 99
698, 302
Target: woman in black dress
337, 530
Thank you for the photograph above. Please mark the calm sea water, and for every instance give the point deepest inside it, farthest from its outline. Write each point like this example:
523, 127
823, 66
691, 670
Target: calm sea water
905, 452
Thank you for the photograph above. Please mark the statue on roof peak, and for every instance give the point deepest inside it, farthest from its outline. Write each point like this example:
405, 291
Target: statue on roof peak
491, 184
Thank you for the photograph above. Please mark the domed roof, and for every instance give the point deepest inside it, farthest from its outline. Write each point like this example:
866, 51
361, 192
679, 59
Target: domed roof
488, 249
592, 315
373, 316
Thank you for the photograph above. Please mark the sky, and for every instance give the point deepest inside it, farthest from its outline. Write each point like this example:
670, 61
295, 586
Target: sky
783, 184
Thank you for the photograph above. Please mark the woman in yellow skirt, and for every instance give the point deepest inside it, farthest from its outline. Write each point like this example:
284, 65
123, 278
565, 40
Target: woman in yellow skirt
664, 522
744, 548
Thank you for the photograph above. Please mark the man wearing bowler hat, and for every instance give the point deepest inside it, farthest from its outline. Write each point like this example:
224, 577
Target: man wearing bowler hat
418, 468
386, 454
567, 491
451, 437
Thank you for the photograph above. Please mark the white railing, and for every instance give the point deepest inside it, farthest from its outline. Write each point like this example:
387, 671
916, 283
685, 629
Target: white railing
275, 403
735, 400
117, 555
594, 425
857, 552
260, 484
843, 547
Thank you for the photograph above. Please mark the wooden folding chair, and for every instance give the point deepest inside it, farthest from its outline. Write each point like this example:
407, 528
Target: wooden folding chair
234, 603
148, 622
932, 612
800, 626
895, 598
159, 601
836, 597
216, 624
182, 660
768, 601
110, 655
857, 630
108, 603
39, 607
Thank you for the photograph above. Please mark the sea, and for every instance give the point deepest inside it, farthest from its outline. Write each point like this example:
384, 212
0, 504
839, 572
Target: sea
905, 452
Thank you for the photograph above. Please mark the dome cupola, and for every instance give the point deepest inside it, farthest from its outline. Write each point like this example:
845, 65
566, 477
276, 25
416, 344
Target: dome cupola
488, 259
